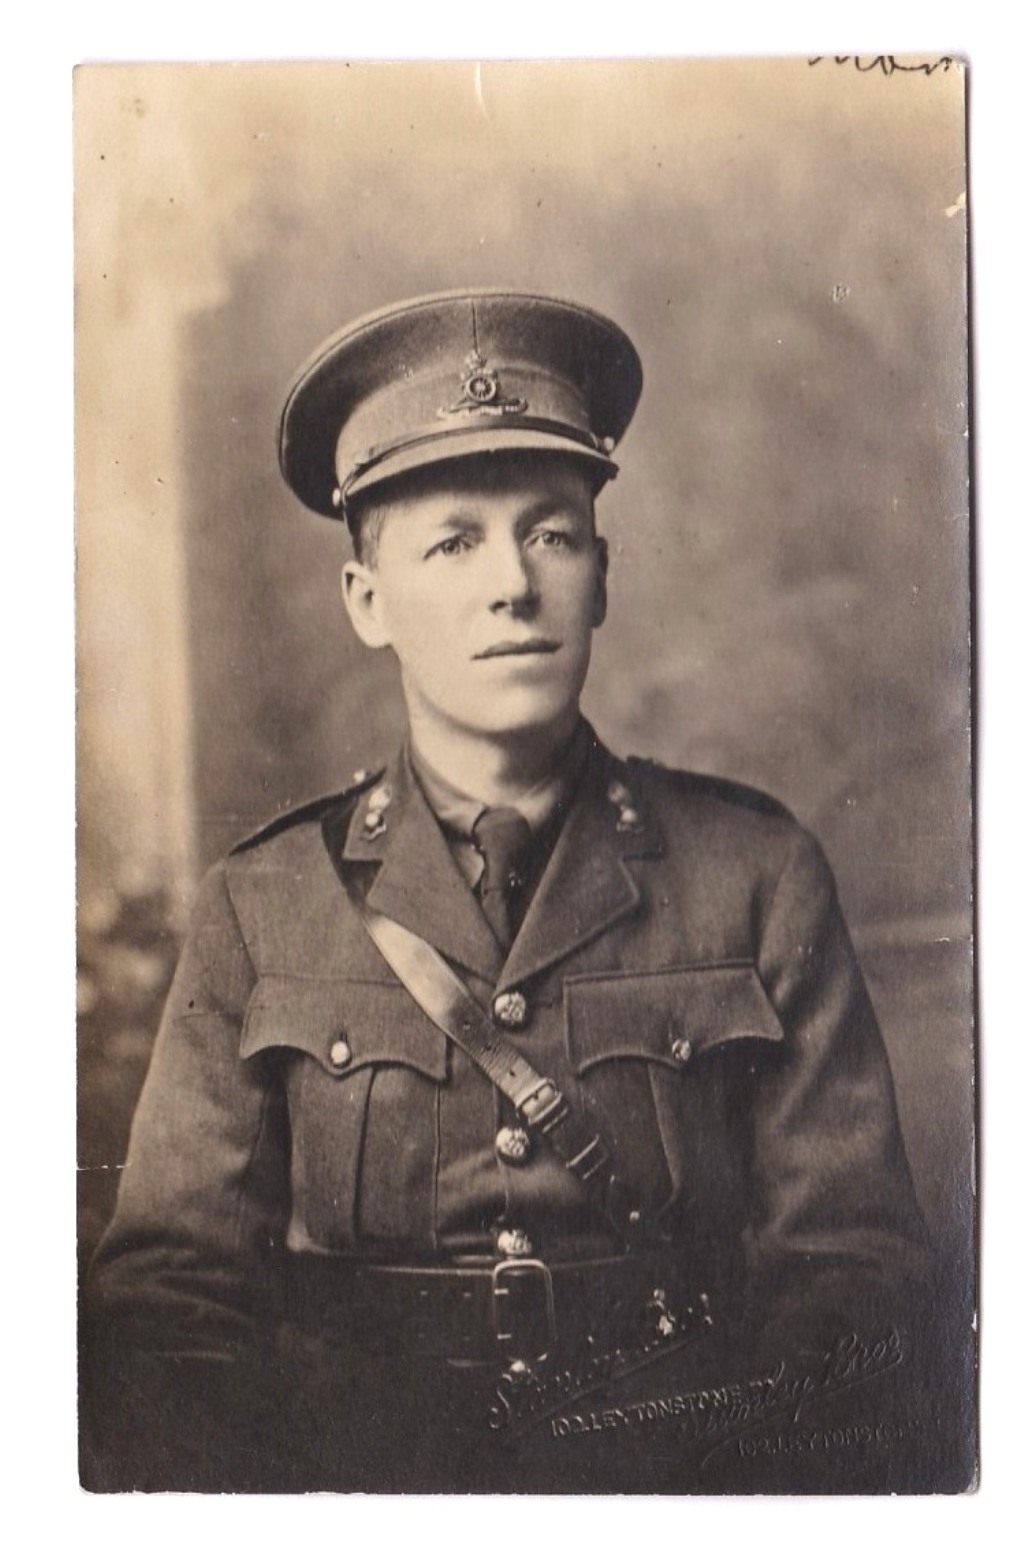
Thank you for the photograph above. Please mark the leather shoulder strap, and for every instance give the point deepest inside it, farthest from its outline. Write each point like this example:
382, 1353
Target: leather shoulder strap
437, 990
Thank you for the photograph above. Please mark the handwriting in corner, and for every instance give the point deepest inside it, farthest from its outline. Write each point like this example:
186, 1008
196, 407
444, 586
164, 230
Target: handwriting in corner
887, 64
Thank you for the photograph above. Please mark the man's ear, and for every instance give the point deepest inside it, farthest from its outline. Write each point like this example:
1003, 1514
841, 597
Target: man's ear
363, 604
600, 583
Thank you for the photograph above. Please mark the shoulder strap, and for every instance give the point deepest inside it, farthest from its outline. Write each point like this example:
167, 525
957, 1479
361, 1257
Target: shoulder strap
305, 812
437, 990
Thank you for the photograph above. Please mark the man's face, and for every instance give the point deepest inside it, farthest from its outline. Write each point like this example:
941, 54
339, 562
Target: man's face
487, 581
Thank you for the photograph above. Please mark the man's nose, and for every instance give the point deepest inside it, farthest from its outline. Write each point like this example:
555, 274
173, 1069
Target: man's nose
512, 583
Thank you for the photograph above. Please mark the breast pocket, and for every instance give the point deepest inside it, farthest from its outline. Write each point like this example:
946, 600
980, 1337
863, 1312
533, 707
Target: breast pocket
665, 1059
362, 1068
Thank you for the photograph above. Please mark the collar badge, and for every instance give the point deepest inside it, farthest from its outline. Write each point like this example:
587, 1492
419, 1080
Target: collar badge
629, 820
375, 818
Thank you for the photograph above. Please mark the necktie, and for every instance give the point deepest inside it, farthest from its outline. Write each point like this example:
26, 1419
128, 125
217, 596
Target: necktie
503, 838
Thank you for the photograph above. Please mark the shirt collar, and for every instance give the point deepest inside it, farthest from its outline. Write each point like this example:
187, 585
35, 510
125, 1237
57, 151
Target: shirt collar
458, 813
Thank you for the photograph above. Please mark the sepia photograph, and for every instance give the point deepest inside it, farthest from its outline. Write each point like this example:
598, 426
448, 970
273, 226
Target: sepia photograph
525, 991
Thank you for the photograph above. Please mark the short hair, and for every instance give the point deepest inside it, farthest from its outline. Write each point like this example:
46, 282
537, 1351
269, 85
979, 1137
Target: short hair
365, 523
366, 515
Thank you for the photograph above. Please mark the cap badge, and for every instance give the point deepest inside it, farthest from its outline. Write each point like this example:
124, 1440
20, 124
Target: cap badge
481, 392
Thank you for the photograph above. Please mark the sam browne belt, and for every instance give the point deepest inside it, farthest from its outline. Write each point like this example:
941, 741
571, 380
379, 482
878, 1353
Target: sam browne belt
434, 987
518, 1309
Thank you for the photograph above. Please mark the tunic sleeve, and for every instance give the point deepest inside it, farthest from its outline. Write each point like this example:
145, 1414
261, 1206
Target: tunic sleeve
181, 1299
835, 1231
202, 1199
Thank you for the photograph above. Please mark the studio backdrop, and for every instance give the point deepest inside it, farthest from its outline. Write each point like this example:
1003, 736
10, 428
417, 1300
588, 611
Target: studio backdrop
789, 580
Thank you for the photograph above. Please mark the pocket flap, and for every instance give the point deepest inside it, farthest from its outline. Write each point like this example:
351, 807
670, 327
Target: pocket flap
669, 1016
344, 1025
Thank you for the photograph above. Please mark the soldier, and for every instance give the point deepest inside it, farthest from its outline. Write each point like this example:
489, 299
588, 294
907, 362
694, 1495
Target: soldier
515, 1071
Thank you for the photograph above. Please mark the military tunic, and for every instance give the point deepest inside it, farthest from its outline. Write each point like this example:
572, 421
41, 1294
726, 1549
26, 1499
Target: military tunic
683, 971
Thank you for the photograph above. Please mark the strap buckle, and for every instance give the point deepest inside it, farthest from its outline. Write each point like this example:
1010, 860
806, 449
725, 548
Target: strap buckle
523, 1300
543, 1106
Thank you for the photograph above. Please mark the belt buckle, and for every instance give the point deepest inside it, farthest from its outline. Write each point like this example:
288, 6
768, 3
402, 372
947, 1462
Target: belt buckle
523, 1300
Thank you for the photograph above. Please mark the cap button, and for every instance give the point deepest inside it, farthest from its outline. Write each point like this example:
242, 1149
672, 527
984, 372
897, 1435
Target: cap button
513, 1146
510, 1009
682, 1050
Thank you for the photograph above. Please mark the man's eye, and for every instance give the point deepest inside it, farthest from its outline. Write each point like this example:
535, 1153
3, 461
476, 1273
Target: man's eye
548, 538
450, 547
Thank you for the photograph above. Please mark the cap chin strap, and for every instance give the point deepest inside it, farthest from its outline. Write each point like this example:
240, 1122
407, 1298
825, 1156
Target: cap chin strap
540, 1104
479, 420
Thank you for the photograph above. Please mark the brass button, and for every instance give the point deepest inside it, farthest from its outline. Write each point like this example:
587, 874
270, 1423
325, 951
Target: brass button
514, 1243
682, 1050
513, 1145
341, 1053
510, 1009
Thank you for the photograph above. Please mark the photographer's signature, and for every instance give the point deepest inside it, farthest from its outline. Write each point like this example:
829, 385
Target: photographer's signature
707, 1418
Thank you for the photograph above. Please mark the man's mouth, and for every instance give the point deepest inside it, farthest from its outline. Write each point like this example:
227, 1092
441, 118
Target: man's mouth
519, 647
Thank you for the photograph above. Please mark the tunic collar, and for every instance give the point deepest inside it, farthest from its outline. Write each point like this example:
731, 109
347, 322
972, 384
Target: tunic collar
586, 887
